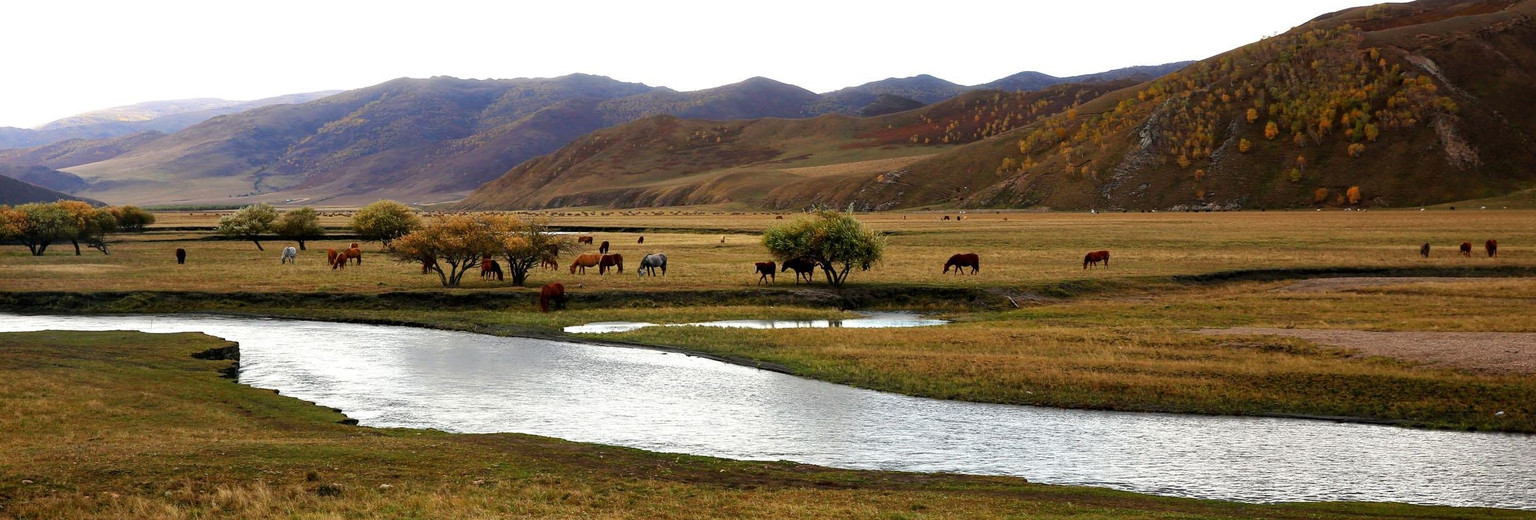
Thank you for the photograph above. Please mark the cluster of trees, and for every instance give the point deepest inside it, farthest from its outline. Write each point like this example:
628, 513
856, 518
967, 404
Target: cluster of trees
452, 245
39, 225
382, 221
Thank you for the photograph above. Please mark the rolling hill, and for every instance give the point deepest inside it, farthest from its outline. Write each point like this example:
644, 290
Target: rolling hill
152, 116
1388, 105
418, 140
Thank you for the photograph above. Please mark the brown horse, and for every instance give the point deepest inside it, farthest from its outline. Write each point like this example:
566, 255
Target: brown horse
426, 264
340, 262
1424, 250
552, 292
962, 261
765, 271
603, 249
1492, 246
586, 239
330, 256
1095, 257
641, 241
1466, 249
585, 261
614, 260
489, 269
181, 256
803, 268
354, 254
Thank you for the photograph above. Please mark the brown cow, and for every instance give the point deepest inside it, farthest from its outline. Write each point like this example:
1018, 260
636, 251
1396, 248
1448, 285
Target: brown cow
962, 261
181, 256
603, 249
765, 271
1424, 250
1492, 246
552, 292
1466, 249
586, 239
613, 260
1095, 257
585, 261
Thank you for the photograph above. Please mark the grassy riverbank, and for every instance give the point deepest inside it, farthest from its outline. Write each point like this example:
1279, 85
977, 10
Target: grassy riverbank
131, 425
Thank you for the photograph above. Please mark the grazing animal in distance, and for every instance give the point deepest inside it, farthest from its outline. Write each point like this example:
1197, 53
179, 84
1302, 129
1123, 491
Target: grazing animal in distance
803, 268
181, 256
426, 264
340, 262
1095, 257
552, 293
652, 261
1466, 249
765, 272
290, 255
614, 260
330, 256
585, 239
603, 249
354, 254
1492, 246
1424, 250
961, 261
722, 239
641, 241
585, 261
489, 269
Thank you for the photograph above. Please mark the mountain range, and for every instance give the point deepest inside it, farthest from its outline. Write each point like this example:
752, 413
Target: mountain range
428, 140
152, 116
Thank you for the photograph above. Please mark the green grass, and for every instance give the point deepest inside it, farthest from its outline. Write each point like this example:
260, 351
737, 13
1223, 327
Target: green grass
97, 425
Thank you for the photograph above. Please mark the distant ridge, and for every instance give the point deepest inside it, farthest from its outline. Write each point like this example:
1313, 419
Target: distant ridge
152, 116
16, 192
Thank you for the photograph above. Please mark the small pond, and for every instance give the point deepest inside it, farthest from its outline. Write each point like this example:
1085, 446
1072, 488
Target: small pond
462, 382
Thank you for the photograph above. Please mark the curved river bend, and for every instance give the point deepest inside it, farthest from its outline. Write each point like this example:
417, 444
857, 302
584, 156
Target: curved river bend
462, 382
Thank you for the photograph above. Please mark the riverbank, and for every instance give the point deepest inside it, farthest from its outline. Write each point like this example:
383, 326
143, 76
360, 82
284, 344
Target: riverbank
1130, 350
131, 425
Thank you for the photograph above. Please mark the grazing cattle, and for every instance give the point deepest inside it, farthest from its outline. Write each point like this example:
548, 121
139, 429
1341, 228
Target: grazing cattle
353, 254
1492, 246
614, 260
803, 268
1424, 250
330, 256
181, 256
290, 255
961, 261
641, 241
586, 239
1095, 257
552, 293
652, 261
765, 271
585, 261
1466, 249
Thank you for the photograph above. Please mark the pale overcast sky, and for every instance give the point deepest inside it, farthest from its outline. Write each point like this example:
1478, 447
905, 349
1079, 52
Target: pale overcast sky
63, 57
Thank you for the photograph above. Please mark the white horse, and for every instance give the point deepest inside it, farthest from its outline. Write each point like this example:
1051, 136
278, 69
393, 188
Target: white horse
290, 255
651, 262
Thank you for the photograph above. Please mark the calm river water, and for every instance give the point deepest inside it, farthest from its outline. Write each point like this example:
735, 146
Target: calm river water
461, 382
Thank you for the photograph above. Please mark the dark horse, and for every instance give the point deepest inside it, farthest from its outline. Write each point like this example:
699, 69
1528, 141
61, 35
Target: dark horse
1424, 250
765, 271
1466, 249
490, 269
803, 268
181, 256
553, 292
614, 260
962, 261
603, 249
1095, 257
1492, 246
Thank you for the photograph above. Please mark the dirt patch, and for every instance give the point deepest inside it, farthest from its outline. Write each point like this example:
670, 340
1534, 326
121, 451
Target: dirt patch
1350, 283
1488, 352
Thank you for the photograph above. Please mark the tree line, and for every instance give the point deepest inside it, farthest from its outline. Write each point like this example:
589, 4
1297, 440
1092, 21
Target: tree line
41, 224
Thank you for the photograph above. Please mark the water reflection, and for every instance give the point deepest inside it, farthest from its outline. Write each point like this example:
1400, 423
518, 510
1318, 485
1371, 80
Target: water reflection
871, 320
460, 382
